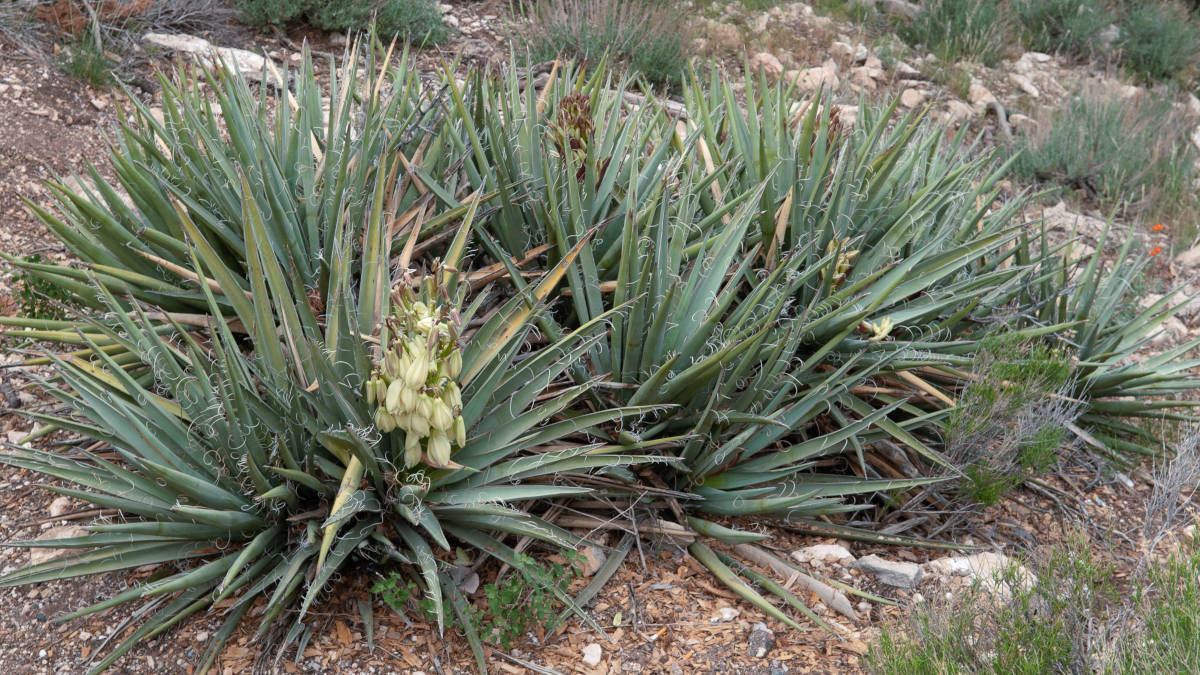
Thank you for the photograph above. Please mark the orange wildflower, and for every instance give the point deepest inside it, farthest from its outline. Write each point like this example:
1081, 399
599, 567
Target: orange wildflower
1156, 250
1159, 227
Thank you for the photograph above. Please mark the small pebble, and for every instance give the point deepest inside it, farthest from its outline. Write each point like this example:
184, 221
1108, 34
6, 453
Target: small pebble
592, 655
725, 614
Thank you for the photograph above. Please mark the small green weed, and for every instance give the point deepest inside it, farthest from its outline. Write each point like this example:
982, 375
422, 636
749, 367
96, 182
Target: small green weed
986, 486
846, 10
951, 76
1035, 626
1039, 452
890, 49
759, 5
1072, 619
1168, 639
36, 298
1011, 372
514, 606
85, 61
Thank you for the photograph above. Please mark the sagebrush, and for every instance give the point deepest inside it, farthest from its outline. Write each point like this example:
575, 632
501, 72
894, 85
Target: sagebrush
418, 21
974, 30
1128, 152
646, 35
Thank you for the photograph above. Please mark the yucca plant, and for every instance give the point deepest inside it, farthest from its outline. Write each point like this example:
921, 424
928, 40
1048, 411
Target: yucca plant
800, 289
267, 428
307, 161
750, 245
1121, 394
275, 450
760, 260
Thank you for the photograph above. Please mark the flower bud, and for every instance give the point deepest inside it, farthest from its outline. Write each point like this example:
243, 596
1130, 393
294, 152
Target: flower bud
392, 399
460, 431
418, 370
440, 417
452, 395
439, 449
384, 421
408, 399
392, 366
412, 450
454, 363
424, 406
418, 424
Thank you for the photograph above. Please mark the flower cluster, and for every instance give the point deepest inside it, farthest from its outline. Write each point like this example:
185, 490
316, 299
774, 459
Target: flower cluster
845, 260
879, 331
414, 385
573, 130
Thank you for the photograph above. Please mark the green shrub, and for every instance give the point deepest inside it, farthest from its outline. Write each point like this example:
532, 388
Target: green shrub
1010, 419
1169, 619
1074, 618
1117, 151
1040, 450
1012, 623
1159, 41
954, 30
628, 31
272, 12
418, 21
1064, 26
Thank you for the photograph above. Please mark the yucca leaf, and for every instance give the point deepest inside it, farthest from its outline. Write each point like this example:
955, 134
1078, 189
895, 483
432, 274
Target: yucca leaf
709, 559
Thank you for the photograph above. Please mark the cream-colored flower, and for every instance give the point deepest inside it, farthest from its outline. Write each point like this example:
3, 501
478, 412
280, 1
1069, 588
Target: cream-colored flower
439, 448
417, 371
384, 420
460, 431
880, 330
440, 418
413, 387
394, 390
412, 449
408, 398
